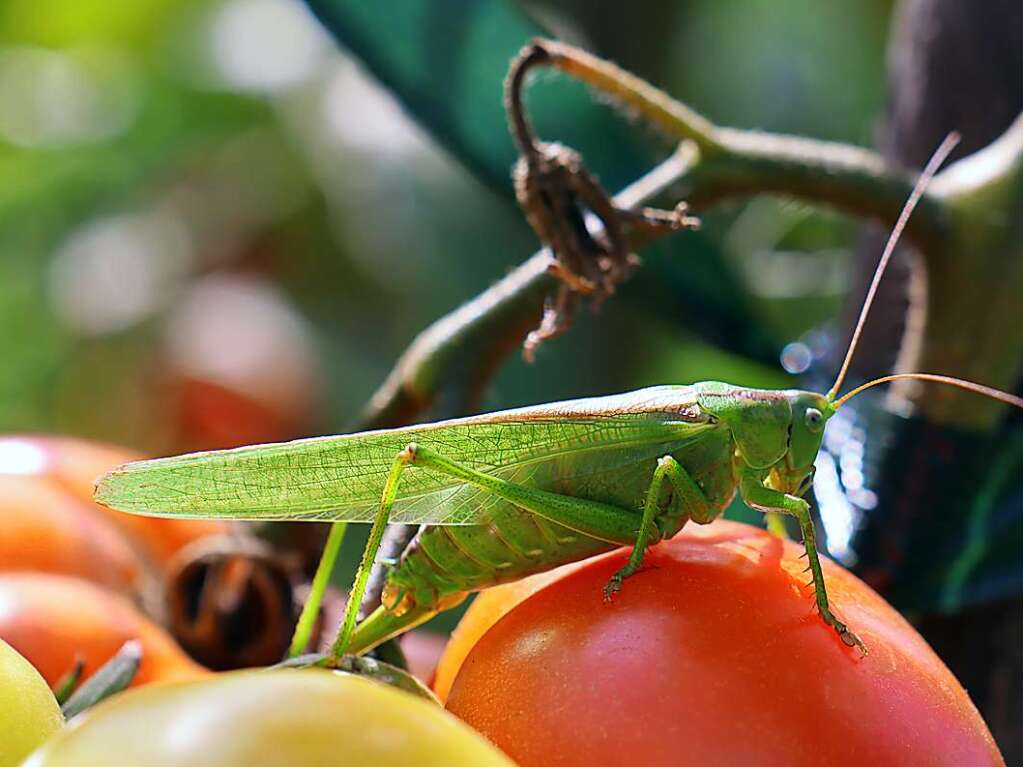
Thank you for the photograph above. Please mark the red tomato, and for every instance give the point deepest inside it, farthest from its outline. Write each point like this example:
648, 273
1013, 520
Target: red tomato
45, 529
239, 365
52, 619
711, 655
71, 466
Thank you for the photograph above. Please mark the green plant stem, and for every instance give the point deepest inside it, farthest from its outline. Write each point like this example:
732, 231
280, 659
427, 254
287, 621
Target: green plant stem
66, 685
973, 284
311, 608
652, 104
458, 355
731, 163
966, 227
109, 679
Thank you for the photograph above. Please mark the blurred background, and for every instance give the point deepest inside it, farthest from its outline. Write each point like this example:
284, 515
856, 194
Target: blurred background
216, 228
222, 221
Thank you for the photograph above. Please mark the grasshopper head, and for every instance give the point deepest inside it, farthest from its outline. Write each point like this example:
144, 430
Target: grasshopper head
810, 412
776, 430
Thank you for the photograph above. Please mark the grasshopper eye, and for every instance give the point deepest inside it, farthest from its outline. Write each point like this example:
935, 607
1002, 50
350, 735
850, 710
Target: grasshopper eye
814, 419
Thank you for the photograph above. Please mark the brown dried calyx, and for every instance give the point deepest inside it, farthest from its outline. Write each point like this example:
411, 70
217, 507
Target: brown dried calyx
574, 217
560, 198
230, 602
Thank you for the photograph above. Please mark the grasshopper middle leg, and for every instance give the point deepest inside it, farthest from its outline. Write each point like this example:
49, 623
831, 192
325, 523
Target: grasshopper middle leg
694, 505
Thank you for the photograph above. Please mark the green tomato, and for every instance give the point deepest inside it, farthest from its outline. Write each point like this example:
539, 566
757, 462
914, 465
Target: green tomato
281, 718
29, 713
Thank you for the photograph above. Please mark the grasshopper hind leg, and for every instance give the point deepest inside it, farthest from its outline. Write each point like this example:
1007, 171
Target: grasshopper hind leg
602, 521
376, 536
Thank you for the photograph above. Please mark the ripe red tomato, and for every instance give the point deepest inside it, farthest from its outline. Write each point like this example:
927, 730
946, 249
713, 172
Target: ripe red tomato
52, 619
711, 655
45, 529
70, 466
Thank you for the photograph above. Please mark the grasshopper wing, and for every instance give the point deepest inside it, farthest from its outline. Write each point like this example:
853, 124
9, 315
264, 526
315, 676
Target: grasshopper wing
341, 478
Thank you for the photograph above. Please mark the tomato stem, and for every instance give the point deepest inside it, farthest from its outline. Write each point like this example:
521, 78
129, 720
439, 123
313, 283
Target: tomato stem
311, 609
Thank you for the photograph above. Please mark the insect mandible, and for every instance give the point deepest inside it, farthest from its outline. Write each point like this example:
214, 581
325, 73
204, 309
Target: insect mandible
504, 495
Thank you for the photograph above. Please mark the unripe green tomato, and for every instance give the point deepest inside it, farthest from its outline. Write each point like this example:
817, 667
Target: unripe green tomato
29, 713
281, 718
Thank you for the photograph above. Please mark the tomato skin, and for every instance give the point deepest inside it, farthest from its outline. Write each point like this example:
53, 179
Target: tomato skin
29, 713
72, 466
307, 717
711, 655
52, 619
46, 530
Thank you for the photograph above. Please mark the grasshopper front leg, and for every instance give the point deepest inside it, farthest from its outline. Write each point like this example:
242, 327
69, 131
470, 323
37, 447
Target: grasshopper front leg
762, 498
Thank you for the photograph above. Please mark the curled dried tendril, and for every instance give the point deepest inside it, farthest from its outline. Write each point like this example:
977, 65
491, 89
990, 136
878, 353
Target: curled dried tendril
563, 202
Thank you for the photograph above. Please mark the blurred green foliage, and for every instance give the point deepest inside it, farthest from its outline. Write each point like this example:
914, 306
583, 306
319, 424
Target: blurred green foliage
177, 177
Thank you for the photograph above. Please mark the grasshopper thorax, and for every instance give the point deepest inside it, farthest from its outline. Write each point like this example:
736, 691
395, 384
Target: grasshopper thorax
779, 431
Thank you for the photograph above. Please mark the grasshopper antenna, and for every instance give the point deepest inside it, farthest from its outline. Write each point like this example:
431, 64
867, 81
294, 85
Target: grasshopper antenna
933, 164
939, 156
987, 391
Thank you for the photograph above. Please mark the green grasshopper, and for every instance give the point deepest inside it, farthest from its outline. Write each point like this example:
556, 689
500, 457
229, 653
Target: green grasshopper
505, 495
